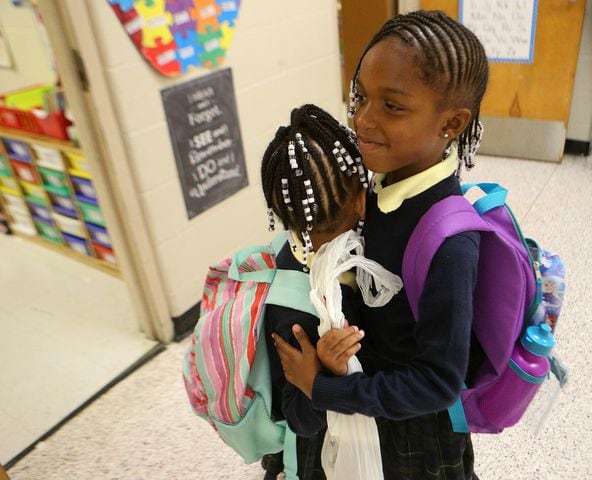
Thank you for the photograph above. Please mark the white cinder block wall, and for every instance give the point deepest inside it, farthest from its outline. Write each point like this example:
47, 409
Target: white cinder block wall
283, 54
580, 117
30, 55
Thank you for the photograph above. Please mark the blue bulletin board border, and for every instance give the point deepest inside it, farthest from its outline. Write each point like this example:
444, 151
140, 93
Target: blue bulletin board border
530, 58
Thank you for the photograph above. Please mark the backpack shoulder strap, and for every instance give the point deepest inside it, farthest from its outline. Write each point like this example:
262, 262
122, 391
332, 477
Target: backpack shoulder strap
278, 242
290, 459
446, 218
291, 288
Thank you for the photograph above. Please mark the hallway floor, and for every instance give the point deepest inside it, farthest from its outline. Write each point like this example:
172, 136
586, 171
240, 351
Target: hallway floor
67, 331
143, 427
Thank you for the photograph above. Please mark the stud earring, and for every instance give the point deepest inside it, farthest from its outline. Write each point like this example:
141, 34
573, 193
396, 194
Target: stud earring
445, 135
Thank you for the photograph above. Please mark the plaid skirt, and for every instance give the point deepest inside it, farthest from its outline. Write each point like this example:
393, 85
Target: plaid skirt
425, 448
420, 448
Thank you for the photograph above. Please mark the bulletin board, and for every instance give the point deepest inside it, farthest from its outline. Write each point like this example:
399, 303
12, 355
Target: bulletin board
205, 134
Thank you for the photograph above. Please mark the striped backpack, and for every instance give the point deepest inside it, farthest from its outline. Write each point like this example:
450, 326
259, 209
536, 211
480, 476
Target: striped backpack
226, 368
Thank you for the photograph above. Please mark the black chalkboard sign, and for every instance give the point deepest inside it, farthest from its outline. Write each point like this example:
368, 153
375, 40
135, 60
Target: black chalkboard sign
203, 126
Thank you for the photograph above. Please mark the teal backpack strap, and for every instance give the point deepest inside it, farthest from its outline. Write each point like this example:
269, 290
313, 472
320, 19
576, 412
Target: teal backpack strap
495, 196
278, 242
291, 288
457, 415
290, 459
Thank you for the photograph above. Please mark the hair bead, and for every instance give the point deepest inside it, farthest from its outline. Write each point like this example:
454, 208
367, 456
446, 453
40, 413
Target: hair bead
306, 249
349, 160
352, 97
286, 193
301, 144
360, 226
469, 144
339, 158
343, 154
270, 220
292, 155
307, 214
309, 191
361, 172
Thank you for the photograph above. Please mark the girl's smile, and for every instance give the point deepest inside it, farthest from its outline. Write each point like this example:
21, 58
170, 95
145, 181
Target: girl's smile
368, 146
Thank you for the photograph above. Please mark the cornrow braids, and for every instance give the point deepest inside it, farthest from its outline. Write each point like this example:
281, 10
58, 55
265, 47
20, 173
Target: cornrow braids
451, 60
310, 171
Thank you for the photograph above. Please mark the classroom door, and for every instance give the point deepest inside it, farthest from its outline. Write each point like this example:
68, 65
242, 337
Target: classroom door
358, 22
526, 108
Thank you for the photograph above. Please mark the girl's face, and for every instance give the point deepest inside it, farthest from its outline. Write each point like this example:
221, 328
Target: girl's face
398, 121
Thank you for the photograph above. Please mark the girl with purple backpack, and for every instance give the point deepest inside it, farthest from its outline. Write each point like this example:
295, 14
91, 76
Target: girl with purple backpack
415, 103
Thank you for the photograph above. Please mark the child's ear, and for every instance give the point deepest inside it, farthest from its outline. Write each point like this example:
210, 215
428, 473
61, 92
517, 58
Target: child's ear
457, 121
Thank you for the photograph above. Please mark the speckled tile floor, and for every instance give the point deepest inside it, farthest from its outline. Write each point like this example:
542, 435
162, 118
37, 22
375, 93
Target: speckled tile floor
143, 428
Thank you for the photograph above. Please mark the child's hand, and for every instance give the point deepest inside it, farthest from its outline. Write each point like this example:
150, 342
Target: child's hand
336, 347
300, 367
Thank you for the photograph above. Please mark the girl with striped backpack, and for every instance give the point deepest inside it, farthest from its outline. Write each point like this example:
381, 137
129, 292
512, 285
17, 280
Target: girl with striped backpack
315, 183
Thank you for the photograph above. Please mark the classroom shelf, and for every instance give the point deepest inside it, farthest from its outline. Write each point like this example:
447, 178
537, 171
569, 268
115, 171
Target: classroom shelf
48, 196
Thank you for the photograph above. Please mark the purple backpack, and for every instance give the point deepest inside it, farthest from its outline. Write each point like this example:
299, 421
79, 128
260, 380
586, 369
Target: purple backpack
508, 296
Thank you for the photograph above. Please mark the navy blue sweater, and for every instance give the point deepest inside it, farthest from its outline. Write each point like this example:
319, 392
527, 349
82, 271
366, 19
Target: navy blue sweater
288, 401
410, 368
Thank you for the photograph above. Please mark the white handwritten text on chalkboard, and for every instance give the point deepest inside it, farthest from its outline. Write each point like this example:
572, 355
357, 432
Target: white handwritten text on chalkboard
203, 124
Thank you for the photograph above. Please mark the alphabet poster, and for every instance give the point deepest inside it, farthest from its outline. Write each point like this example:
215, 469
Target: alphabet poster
176, 36
205, 135
507, 28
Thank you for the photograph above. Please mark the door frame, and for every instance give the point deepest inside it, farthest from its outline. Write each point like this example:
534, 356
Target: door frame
89, 97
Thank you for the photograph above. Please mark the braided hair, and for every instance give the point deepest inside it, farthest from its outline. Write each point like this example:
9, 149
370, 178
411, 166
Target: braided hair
310, 171
451, 60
